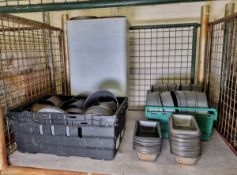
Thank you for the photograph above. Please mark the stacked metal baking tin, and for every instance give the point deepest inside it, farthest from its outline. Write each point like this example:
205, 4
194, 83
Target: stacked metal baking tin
101, 102
159, 99
175, 87
147, 140
192, 99
185, 141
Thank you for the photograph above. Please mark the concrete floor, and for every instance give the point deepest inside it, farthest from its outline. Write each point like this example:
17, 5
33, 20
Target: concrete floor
216, 159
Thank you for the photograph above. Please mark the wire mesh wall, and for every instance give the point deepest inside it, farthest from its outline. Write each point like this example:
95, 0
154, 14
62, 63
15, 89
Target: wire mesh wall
222, 85
215, 51
160, 54
31, 2
31, 63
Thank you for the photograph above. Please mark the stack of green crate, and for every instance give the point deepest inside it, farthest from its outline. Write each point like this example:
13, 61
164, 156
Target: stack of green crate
205, 118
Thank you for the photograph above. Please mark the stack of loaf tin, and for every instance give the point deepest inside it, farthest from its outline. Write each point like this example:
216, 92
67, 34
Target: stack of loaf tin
147, 140
185, 141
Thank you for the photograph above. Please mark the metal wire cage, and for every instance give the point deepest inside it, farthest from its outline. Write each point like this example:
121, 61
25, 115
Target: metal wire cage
31, 63
222, 81
158, 55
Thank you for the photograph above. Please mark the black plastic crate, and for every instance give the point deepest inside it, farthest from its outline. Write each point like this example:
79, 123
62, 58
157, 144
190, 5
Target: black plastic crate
85, 135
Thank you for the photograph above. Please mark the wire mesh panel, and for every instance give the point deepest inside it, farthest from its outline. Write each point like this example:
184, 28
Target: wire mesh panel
32, 2
215, 46
223, 76
30, 63
158, 55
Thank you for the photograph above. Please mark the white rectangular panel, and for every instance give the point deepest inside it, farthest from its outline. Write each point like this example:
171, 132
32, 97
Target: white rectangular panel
98, 55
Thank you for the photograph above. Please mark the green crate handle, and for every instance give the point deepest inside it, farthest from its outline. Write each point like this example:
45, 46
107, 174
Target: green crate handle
157, 110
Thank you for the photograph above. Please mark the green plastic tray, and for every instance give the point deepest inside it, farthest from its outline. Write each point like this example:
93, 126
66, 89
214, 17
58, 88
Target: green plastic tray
205, 121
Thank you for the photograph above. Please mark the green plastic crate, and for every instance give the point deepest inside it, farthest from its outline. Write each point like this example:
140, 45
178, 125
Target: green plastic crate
205, 121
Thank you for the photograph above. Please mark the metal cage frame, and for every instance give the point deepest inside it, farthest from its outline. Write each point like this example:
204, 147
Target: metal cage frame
221, 84
5, 168
31, 64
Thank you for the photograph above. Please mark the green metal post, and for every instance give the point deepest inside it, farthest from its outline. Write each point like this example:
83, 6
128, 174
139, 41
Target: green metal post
84, 5
195, 25
194, 46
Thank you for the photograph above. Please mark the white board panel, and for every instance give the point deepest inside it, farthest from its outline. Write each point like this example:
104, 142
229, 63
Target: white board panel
98, 55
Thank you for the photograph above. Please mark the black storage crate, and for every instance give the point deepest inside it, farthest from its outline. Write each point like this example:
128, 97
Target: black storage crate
85, 135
